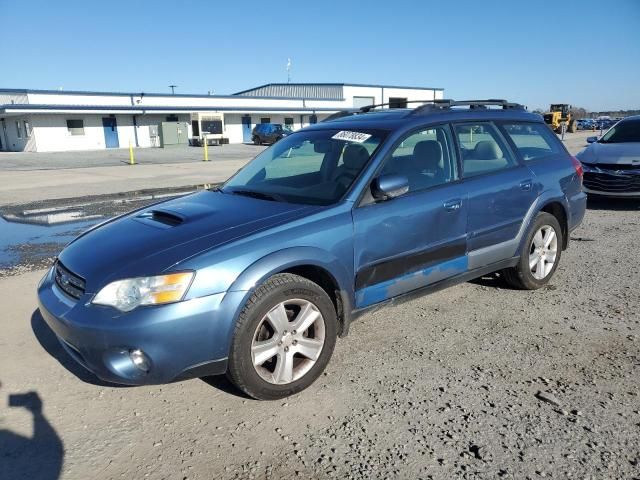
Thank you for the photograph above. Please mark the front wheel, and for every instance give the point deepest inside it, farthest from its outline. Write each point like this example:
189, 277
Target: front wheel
284, 338
540, 255
256, 140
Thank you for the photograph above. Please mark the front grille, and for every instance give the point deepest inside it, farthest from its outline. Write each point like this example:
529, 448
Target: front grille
69, 282
612, 182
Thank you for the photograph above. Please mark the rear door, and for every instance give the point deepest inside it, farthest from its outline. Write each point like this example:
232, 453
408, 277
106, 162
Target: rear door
500, 189
418, 238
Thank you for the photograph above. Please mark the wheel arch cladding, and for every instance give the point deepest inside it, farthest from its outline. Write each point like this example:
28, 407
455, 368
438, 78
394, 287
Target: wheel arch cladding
314, 264
558, 210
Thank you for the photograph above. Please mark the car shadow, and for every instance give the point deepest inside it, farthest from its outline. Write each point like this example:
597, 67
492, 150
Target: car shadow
221, 382
51, 344
607, 203
39, 457
492, 280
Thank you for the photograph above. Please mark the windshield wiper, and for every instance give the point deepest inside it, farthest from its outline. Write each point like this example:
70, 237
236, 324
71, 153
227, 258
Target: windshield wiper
253, 194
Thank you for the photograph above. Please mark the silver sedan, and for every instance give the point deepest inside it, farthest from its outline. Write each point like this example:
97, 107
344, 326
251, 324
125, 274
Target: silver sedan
612, 163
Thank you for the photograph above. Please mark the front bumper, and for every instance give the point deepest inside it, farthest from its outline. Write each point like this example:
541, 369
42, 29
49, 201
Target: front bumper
181, 340
612, 182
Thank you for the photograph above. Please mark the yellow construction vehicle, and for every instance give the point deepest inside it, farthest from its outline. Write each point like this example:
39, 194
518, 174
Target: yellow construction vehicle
558, 113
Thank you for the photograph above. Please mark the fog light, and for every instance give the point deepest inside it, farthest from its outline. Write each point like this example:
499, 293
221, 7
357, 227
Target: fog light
140, 360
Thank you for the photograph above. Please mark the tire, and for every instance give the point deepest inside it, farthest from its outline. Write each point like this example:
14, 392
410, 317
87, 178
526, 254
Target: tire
572, 127
260, 330
523, 276
256, 140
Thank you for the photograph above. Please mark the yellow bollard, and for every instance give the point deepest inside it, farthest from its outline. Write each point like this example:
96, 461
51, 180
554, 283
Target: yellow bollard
132, 160
206, 149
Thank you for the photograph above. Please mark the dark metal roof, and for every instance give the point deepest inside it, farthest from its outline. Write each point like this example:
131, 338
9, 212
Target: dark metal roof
315, 91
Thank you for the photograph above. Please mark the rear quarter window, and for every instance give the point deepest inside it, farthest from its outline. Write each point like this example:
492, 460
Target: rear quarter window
532, 140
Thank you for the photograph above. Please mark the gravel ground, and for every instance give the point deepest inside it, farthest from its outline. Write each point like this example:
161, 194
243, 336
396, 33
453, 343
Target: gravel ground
477, 381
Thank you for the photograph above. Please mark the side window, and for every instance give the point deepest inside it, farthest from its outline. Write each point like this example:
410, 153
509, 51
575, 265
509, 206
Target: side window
533, 140
482, 149
423, 157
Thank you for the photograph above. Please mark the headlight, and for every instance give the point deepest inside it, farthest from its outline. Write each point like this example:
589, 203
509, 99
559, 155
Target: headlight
125, 295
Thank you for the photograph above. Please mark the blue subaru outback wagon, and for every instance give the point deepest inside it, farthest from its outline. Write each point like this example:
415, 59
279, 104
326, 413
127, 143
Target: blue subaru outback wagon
257, 278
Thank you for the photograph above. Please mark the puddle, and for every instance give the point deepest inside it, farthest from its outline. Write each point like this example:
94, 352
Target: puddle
31, 234
33, 239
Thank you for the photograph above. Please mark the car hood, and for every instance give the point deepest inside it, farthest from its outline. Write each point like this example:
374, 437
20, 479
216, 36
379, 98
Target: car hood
152, 240
611, 153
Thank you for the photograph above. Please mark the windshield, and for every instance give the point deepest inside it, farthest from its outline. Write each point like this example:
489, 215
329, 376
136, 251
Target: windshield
313, 167
624, 132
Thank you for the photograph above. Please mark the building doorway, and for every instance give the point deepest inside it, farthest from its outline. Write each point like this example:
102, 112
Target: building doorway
110, 132
246, 129
4, 143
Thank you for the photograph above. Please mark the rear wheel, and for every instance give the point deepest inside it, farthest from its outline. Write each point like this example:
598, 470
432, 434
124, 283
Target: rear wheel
284, 338
540, 255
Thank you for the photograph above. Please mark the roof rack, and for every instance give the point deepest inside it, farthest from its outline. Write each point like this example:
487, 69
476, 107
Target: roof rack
366, 109
446, 104
432, 106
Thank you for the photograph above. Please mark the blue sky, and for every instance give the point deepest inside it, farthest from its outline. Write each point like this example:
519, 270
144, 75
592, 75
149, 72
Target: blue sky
537, 52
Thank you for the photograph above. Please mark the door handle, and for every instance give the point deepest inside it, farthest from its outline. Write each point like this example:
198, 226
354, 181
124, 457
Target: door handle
452, 205
525, 185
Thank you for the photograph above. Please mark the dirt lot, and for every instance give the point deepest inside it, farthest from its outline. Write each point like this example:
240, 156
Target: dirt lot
477, 381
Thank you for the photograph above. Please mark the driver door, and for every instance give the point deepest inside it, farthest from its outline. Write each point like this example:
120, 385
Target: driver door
419, 238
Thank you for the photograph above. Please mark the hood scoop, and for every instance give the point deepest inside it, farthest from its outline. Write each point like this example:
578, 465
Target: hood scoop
162, 217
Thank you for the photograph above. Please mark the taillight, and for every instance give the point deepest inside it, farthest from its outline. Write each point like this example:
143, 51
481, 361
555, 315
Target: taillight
578, 166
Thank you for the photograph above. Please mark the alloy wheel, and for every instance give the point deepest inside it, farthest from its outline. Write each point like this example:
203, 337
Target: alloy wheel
288, 341
543, 252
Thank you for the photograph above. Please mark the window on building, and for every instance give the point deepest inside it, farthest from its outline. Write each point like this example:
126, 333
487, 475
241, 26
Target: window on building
482, 149
359, 102
172, 118
265, 120
19, 129
532, 140
397, 102
27, 128
288, 123
213, 126
75, 127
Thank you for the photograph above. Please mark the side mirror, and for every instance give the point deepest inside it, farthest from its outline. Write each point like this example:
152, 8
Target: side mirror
387, 187
592, 139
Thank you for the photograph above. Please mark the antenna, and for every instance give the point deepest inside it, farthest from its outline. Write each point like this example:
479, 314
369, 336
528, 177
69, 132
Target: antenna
288, 70
173, 87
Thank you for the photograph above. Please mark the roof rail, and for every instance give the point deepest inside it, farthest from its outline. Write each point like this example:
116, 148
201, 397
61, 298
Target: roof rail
431, 106
367, 108
446, 104
340, 114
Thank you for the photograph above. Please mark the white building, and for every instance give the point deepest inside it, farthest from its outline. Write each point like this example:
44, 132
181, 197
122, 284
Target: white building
51, 120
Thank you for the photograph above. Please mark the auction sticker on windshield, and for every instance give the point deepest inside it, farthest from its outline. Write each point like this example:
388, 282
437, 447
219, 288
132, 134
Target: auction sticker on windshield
349, 136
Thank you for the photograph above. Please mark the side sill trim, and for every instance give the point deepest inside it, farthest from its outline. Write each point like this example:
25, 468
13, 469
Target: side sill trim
448, 282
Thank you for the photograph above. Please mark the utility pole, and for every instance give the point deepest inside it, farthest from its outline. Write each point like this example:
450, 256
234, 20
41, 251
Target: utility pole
173, 87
